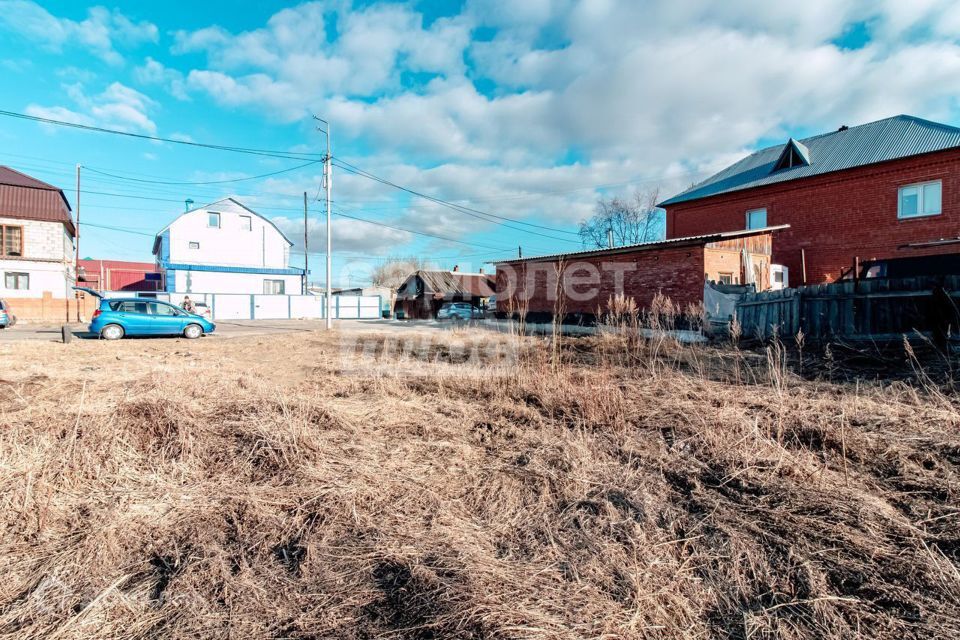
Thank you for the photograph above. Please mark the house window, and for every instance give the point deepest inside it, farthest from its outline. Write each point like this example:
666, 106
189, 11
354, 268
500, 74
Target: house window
916, 200
194, 245
273, 287
246, 223
725, 278
12, 280
756, 219
11, 241
213, 220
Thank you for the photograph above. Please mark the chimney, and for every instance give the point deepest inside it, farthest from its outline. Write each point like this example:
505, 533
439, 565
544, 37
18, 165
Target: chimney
843, 127
481, 270
456, 268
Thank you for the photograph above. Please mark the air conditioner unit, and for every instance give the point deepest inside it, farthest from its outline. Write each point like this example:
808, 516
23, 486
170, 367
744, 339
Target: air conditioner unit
779, 276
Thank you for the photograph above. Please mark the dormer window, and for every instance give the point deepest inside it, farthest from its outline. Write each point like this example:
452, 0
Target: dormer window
794, 154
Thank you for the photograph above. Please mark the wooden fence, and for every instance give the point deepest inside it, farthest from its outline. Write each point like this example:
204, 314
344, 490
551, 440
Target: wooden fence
876, 309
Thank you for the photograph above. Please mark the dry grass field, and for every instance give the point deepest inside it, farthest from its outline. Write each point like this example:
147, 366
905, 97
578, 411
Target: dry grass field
275, 488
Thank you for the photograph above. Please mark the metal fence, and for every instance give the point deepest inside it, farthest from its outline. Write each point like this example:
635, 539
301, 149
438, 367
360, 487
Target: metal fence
870, 309
244, 306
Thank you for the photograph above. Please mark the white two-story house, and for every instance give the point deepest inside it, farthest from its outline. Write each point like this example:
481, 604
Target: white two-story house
225, 247
36, 243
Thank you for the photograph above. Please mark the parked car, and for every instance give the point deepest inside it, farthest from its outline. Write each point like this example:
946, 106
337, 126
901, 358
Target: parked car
116, 318
203, 310
459, 311
7, 319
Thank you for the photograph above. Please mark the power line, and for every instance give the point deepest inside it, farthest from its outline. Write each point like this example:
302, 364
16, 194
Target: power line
482, 215
263, 175
419, 233
143, 136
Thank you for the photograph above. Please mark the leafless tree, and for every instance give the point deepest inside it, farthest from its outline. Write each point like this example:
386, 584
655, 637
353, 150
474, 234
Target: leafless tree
393, 271
634, 219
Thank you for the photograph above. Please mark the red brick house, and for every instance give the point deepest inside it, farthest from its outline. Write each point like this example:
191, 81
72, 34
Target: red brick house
886, 189
581, 284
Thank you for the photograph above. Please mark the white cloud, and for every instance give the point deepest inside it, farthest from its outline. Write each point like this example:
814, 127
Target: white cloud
351, 235
152, 72
117, 107
520, 108
99, 32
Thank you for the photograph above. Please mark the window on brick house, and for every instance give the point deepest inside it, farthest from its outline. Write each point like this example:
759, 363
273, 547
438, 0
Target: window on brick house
725, 278
916, 200
12, 280
11, 241
756, 218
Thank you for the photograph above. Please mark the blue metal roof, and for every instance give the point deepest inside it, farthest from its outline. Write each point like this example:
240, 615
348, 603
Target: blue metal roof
889, 139
290, 271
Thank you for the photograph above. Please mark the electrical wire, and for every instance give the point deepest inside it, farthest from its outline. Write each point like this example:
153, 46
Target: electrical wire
263, 175
482, 215
143, 136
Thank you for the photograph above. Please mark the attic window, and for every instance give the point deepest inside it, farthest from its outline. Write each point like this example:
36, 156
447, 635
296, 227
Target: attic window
794, 154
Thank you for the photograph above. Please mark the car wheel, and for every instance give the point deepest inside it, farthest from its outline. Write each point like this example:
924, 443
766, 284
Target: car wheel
192, 331
111, 332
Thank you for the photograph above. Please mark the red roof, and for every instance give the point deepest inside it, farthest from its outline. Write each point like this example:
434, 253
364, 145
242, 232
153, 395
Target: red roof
26, 198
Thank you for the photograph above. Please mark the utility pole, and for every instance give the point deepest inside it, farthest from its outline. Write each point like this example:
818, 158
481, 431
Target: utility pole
328, 175
306, 257
76, 263
519, 251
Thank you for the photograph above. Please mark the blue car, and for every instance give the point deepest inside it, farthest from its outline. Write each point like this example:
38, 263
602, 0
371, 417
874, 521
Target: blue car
116, 318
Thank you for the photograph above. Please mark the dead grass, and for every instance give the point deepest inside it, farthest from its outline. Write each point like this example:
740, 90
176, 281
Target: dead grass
247, 488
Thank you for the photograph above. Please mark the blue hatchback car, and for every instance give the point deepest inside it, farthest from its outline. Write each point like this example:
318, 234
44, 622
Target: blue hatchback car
116, 318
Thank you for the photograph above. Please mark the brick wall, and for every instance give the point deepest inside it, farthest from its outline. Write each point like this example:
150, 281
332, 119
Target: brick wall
43, 240
48, 309
836, 217
586, 284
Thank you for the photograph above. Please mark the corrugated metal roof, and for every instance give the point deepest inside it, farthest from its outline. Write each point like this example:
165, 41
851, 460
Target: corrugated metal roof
27, 198
897, 137
447, 283
659, 244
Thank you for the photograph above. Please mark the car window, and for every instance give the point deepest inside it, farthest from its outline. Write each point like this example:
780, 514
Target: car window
134, 307
161, 309
3, 305
115, 305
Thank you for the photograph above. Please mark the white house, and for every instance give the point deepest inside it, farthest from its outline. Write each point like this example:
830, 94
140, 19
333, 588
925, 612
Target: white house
36, 243
224, 247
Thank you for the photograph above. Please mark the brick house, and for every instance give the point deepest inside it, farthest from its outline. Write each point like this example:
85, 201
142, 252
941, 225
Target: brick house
579, 285
36, 247
886, 189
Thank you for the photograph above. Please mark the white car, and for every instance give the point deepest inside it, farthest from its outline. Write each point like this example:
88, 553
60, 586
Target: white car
201, 309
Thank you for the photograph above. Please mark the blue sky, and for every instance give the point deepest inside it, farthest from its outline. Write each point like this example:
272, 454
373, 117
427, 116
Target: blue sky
529, 111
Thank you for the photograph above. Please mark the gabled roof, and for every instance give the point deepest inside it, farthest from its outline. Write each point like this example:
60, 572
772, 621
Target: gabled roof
452, 283
672, 243
24, 197
213, 205
889, 139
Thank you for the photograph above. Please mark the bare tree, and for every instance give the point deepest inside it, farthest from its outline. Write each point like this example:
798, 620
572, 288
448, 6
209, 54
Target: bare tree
632, 220
393, 271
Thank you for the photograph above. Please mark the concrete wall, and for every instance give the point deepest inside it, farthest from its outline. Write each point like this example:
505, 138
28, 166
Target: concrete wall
221, 282
836, 217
